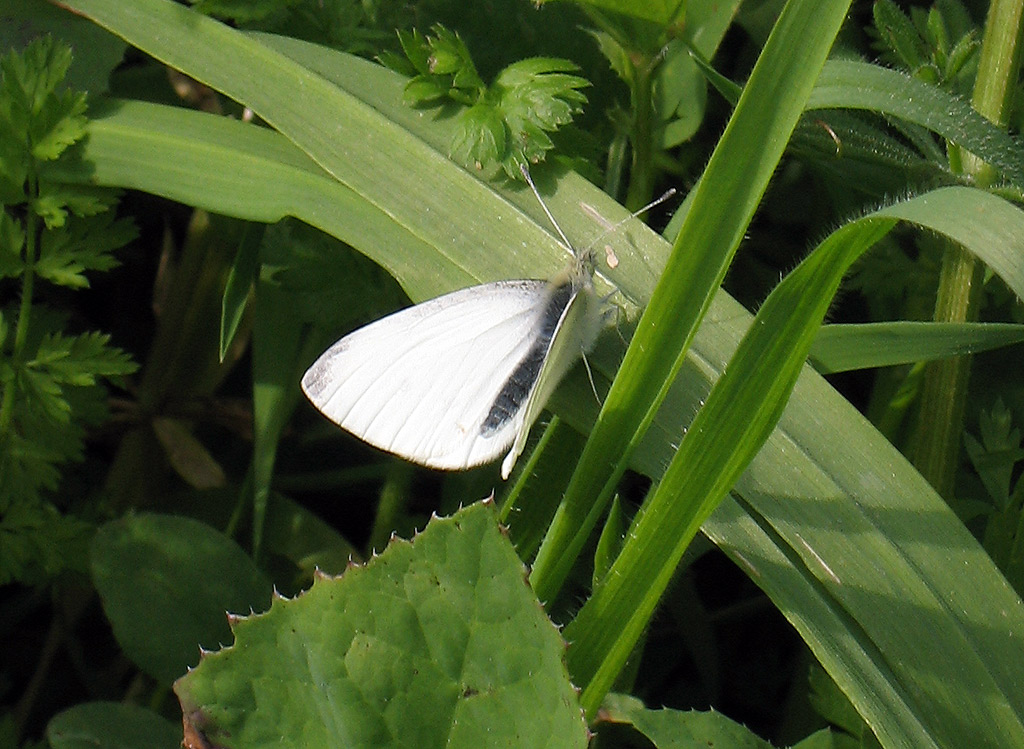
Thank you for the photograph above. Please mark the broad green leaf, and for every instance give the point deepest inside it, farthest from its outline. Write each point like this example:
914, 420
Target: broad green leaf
111, 725
292, 532
167, 584
435, 642
680, 84
305, 539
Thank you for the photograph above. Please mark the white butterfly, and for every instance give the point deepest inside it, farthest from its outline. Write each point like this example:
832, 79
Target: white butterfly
456, 381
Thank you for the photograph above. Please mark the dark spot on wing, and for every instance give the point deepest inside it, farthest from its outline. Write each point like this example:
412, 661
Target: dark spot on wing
517, 388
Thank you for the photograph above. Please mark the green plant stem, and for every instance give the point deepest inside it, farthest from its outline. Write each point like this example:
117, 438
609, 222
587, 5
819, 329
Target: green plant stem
1000, 60
24, 311
944, 391
73, 602
641, 175
31, 691
394, 497
616, 164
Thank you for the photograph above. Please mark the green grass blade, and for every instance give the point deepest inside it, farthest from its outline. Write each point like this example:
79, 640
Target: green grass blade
660, 12
533, 497
740, 414
240, 170
842, 348
722, 206
373, 154
239, 286
860, 85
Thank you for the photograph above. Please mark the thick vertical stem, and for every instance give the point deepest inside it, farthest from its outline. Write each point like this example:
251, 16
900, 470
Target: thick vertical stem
944, 392
641, 175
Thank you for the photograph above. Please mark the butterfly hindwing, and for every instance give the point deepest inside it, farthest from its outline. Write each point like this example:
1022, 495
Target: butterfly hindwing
426, 383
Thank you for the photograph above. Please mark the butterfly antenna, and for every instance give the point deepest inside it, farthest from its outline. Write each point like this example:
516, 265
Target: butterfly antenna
609, 227
529, 180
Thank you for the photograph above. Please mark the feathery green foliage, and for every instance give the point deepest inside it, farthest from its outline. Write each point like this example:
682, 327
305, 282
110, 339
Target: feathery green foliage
507, 121
50, 390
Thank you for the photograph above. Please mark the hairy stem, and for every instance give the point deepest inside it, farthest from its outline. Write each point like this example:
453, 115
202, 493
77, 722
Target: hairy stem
944, 391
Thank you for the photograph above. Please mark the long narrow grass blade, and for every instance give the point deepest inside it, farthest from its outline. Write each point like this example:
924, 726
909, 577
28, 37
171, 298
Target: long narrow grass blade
741, 412
724, 202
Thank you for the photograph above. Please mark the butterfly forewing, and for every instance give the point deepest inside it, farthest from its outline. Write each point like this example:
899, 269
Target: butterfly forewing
423, 382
